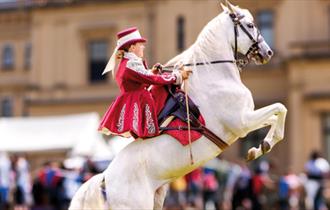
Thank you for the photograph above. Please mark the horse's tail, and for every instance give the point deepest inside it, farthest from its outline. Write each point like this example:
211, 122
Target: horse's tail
89, 196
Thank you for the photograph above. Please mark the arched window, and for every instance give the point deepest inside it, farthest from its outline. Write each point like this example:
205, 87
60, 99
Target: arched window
180, 36
8, 57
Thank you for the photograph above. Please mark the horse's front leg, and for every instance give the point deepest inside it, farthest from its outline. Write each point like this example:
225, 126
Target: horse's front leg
273, 115
160, 195
268, 142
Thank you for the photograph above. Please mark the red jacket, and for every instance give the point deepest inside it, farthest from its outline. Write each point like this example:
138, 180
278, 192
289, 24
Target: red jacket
134, 111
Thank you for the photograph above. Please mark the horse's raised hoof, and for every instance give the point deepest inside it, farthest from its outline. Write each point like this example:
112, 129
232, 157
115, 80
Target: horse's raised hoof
265, 147
252, 154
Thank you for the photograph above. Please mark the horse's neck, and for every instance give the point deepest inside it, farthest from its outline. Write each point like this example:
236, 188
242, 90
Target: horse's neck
207, 82
208, 90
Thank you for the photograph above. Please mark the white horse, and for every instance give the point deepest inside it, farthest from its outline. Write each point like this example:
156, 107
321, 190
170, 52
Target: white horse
138, 176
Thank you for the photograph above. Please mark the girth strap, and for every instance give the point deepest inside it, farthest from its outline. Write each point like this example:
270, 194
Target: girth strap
214, 138
204, 131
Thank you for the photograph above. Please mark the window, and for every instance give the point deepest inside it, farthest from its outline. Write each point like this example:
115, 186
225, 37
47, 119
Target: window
8, 57
6, 107
265, 21
27, 56
180, 25
326, 134
98, 58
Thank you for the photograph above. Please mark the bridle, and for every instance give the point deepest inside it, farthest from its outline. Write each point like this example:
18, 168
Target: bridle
240, 62
253, 50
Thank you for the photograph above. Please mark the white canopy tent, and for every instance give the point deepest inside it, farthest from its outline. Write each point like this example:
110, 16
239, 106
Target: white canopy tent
77, 133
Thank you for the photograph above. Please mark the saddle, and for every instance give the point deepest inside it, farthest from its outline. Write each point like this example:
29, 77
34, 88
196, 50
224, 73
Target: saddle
175, 107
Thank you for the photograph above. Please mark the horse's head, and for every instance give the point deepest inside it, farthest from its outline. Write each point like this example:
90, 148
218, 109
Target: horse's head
247, 38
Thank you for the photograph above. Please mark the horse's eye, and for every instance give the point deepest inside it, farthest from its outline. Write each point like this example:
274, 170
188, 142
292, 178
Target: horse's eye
250, 25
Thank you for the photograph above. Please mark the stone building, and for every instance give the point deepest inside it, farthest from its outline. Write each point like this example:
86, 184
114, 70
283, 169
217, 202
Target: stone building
53, 51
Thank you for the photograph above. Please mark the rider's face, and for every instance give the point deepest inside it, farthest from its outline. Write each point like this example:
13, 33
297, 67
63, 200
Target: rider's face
137, 49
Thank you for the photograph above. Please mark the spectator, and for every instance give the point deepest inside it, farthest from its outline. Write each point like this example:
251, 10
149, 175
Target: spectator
89, 169
50, 178
177, 194
23, 186
194, 188
290, 188
316, 168
71, 183
210, 188
5, 180
283, 193
242, 189
260, 182
230, 186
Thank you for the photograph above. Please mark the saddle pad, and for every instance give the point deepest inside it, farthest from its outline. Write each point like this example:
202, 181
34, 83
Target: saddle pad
182, 135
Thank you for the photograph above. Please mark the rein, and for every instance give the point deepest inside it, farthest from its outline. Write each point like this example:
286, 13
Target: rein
170, 68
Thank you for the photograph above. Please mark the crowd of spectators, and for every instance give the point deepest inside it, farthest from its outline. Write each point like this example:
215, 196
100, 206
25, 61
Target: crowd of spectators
219, 184
225, 185
51, 188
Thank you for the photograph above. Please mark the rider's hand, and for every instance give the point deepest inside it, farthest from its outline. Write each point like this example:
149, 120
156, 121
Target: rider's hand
157, 68
185, 73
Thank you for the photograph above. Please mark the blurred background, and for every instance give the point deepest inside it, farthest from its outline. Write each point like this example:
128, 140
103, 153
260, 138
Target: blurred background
52, 54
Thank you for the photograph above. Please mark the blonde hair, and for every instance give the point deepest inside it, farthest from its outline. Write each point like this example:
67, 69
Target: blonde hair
120, 54
119, 57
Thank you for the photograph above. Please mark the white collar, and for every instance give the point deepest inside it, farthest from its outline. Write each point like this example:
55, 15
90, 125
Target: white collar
130, 55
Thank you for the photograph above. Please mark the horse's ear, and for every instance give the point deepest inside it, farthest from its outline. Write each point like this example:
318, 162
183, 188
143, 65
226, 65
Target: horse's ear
230, 7
224, 7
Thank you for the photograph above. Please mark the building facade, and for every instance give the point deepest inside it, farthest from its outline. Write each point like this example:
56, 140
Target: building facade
53, 53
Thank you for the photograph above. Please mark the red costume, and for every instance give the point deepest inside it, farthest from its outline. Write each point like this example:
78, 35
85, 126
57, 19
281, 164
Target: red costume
134, 112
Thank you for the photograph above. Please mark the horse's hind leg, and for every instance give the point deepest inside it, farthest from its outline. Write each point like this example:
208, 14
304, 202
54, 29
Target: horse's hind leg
273, 115
159, 198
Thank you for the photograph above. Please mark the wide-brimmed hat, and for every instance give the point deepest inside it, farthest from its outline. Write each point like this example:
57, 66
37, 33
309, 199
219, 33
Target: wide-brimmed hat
124, 39
129, 36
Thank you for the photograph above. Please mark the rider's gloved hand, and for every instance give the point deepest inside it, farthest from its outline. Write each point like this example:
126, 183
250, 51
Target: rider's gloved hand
157, 68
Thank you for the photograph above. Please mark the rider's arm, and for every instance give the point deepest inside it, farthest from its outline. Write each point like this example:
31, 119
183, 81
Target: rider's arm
138, 73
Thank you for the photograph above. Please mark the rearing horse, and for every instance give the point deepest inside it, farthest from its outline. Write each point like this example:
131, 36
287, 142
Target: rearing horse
137, 177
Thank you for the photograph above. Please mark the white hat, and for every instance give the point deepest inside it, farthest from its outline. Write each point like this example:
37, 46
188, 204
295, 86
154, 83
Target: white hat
125, 38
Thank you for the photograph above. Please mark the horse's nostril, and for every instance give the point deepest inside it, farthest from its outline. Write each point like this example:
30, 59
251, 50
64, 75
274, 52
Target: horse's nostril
270, 53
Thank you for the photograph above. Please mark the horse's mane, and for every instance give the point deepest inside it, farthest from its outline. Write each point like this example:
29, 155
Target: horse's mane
200, 50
